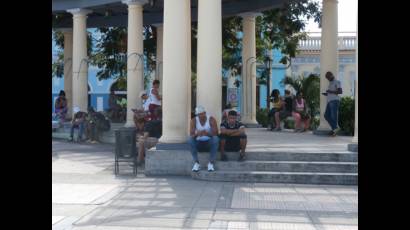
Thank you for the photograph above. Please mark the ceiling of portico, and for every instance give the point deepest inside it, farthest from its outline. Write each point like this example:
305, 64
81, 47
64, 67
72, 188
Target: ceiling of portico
107, 13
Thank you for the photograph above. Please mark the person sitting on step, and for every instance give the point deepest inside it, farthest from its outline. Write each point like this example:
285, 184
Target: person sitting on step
300, 113
278, 109
233, 137
78, 122
203, 135
148, 133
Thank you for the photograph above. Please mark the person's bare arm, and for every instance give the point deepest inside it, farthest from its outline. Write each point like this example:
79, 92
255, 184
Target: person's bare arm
214, 126
338, 91
238, 132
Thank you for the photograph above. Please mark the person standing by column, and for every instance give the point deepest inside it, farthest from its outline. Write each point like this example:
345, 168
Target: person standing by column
154, 99
333, 102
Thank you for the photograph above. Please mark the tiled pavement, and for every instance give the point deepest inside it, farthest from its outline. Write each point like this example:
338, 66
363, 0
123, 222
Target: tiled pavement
86, 195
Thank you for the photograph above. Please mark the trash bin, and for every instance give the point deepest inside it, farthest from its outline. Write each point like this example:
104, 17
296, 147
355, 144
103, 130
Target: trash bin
125, 148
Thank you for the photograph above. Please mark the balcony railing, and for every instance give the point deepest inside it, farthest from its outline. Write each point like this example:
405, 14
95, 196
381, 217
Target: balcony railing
313, 43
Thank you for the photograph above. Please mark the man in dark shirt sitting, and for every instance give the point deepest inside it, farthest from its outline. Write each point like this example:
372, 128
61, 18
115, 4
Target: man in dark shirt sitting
233, 137
148, 133
78, 122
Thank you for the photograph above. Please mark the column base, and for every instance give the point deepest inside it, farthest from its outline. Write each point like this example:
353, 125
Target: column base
250, 123
172, 140
353, 147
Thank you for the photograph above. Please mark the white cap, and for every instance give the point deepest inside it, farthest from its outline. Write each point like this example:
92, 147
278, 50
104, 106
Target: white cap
76, 109
199, 109
142, 93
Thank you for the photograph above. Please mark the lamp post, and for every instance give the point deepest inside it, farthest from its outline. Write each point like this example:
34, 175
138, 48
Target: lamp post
268, 66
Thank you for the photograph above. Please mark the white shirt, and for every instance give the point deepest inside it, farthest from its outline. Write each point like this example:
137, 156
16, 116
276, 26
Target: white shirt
206, 127
153, 99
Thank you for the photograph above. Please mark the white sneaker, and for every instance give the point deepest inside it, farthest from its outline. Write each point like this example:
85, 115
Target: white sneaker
210, 167
196, 167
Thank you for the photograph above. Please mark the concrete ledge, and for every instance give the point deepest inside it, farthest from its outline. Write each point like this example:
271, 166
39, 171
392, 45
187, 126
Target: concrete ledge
353, 147
175, 146
321, 132
253, 126
172, 162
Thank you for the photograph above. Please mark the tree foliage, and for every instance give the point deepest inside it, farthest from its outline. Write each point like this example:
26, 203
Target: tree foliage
310, 87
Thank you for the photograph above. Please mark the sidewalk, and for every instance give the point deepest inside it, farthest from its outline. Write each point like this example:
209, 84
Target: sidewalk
86, 195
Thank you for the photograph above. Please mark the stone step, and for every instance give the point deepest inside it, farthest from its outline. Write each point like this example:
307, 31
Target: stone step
287, 166
278, 177
107, 137
344, 156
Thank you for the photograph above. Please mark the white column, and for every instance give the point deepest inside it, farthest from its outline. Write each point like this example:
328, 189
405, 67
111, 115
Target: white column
159, 69
209, 62
328, 55
135, 60
249, 69
177, 71
80, 65
356, 93
68, 69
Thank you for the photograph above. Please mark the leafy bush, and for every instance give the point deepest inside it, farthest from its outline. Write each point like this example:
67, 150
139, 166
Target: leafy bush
346, 115
262, 117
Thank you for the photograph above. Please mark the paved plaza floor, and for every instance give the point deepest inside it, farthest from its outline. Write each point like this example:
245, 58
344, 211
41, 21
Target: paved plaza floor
87, 195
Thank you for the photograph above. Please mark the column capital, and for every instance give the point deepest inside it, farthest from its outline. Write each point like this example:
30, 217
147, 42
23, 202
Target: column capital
332, 1
79, 11
135, 2
250, 14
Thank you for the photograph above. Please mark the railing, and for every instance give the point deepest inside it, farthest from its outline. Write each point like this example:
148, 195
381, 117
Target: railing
313, 43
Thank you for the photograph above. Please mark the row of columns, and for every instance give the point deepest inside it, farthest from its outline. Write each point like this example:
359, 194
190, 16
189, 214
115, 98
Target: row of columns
174, 58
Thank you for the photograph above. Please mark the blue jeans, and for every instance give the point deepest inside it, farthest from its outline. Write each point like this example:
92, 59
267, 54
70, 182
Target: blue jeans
211, 144
80, 130
331, 113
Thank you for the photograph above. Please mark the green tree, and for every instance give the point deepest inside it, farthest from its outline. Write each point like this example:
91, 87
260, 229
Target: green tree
58, 64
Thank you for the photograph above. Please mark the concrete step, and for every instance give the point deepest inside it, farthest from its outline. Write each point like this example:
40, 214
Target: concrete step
278, 177
345, 156
107, 137
288, 166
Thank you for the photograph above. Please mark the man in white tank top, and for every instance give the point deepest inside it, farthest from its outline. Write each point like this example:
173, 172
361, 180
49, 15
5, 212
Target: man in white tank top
203, 135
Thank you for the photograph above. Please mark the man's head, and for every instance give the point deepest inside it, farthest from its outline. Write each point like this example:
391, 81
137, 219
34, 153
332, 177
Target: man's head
200, 112
91, 110
143, 95
155, 84
287, 92
329, 76
232, 116
299, 95
275, 93
62, 93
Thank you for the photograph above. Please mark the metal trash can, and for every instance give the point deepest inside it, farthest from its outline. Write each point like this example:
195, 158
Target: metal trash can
125, 148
